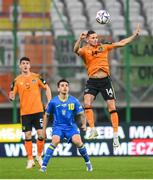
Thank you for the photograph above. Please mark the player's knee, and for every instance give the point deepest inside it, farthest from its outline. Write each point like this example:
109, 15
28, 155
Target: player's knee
77, 142
28, 135
113, 111
55, 140
87, 106
40, 138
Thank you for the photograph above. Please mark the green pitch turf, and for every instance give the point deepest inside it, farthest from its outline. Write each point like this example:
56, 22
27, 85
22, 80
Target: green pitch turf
74, 168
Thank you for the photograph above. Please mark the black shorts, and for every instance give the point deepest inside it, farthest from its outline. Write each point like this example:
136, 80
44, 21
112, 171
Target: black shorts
103, 85
32, 120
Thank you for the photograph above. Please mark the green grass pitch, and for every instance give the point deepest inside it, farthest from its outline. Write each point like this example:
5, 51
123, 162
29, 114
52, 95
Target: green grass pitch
74, 168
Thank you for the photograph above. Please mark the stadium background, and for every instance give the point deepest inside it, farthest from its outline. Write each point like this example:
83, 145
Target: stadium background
45, 31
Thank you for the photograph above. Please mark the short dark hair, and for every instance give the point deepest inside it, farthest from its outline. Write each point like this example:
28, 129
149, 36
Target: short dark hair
62, 80
90, 32
24, 59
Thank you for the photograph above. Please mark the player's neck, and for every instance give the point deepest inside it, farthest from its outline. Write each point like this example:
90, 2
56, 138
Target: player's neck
63, 97
26, 73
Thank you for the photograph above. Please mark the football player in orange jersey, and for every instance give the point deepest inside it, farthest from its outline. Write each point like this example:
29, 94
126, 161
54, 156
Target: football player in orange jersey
28, 85
95, 58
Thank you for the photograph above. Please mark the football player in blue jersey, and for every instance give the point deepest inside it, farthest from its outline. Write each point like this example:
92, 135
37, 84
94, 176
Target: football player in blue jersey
64, 109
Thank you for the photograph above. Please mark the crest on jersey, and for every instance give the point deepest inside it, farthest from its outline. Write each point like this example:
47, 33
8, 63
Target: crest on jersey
33, 81
63, 112
100, 49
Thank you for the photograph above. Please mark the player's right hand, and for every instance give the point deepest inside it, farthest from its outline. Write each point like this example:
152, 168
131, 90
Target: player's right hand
11, 95
83, 35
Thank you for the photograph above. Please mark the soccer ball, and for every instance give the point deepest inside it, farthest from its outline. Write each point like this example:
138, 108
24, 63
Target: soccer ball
103, 17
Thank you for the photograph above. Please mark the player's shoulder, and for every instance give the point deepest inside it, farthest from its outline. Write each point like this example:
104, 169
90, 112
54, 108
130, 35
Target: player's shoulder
35, 75
85, 47
73, 98
54, 99
18, 78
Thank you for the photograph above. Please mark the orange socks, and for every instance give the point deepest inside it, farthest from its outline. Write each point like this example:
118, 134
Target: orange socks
114, 120
28, 147
90, 116
40, 146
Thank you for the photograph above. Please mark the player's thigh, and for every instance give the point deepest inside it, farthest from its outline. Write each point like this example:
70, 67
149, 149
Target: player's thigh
76, 139
37, 121
107, 90
68, 134
90, 92
57, 135
88, 99
26, 123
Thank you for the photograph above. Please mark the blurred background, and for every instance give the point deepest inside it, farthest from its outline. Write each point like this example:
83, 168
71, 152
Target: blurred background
46, 30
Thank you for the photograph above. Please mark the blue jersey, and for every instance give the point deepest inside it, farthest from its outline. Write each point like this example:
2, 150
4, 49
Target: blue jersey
64, 111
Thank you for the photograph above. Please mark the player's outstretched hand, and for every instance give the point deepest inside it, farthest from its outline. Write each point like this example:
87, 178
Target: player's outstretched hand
84, 127
137, 31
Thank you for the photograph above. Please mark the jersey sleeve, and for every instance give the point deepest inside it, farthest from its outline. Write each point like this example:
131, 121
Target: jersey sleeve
81, 52
78, 107
110, 46
50, 107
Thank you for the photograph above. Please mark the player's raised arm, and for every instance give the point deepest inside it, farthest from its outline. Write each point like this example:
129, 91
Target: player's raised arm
78, 42
129, 39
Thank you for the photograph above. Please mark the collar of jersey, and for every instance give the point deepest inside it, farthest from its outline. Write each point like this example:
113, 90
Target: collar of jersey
63, 99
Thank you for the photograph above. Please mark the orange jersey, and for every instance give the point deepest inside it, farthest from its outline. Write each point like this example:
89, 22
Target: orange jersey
29, 90
96, 58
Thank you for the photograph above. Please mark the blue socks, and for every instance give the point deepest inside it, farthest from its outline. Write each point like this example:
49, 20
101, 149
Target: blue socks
83, 153
50, 150
48, 155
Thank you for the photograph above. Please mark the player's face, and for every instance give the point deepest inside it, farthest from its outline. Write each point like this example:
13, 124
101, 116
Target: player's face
25, 66
63, 88
93, 39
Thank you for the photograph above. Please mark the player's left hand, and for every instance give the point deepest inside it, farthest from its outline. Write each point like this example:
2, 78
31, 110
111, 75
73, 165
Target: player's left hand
84, 127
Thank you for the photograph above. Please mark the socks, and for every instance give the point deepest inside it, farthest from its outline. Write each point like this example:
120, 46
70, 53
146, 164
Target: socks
28, 147
90, 117
48, 155
84, 154
40, 146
